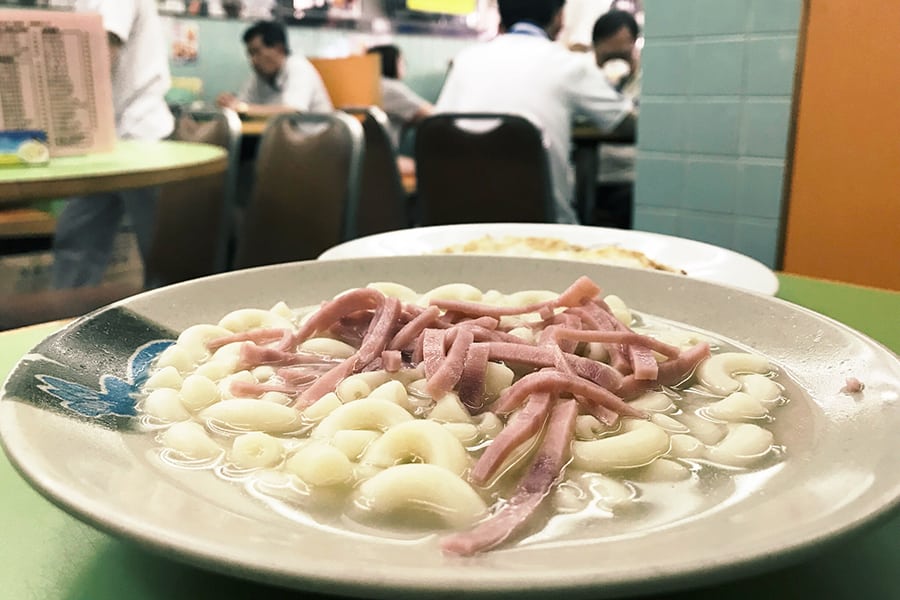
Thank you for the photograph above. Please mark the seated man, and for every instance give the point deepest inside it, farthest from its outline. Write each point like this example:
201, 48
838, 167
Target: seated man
614, 36
524, 72
280, 82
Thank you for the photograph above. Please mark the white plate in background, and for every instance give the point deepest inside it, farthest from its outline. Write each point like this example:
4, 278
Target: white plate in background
697, 259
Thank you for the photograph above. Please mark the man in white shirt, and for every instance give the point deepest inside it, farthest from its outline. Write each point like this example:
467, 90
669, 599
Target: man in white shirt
87, 226
524, 72
280, 82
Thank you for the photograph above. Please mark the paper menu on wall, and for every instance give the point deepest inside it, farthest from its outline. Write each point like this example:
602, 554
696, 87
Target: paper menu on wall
55, 77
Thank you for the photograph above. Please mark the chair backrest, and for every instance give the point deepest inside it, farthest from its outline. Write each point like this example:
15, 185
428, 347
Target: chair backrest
306, 189
194, 217
351, 80
483, 167
382, 200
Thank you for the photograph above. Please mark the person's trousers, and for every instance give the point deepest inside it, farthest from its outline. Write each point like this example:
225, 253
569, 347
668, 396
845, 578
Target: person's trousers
87, 228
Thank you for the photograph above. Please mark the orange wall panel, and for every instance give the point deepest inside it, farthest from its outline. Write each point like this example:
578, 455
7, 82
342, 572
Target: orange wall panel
843, 220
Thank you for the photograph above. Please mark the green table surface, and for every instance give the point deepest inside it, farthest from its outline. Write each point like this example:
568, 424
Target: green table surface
132, 164
46, 555
129, 156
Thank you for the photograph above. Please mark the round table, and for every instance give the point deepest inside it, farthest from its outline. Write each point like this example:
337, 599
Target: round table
133, 164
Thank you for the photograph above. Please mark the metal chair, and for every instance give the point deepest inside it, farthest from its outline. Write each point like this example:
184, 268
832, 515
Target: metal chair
306, 189
483, 167
382, 200
194, 219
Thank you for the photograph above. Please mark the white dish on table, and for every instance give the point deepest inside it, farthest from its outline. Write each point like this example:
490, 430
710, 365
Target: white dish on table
697, 259
839, 473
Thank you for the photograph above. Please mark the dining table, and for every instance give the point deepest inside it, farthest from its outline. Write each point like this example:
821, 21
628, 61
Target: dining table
586, 141
131, 164
46, 554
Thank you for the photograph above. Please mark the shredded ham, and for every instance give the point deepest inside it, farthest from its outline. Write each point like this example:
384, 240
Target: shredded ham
471, 382
556, 382
519, 429
257, 336
452, 342
852, 385
545, 469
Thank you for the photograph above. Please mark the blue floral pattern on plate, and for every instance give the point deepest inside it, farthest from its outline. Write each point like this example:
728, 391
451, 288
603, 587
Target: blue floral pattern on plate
115, 396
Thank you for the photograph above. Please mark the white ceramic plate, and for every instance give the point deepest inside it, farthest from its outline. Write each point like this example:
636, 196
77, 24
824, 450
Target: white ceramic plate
697, 259
91, 457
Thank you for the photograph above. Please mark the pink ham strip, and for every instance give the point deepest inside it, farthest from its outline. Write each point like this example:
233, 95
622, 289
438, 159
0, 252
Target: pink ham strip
675, 371
485, 322
526, 354
326, 383
432, 350
482, 334
555, 382
252, 355
331, 312
409, 332
392, 360
524, 425
643, 363
380, 331
544, 471
461, 307
257, 336
299, 375
617, 337
581, 291
471, 382
447, 375
596, 319
671, 372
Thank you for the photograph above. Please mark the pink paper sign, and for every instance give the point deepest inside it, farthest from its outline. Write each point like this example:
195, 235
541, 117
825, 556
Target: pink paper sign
55, 77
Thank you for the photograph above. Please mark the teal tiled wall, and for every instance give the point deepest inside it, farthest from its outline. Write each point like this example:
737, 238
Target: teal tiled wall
715, 110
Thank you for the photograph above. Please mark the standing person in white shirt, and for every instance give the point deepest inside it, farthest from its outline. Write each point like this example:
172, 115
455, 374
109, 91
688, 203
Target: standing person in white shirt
524, 72
281, 82
87, 226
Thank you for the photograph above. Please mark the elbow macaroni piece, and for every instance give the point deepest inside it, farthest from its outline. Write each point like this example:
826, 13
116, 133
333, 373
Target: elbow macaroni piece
242, 414
167, 377
744, 445
194, 339
198, 392
639, 445
736, 407
320, 464
718, 371
165, 404
191, 440
256, 450
418, 441
423, 487
374, 414
245, 319
328, 347
452, 291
